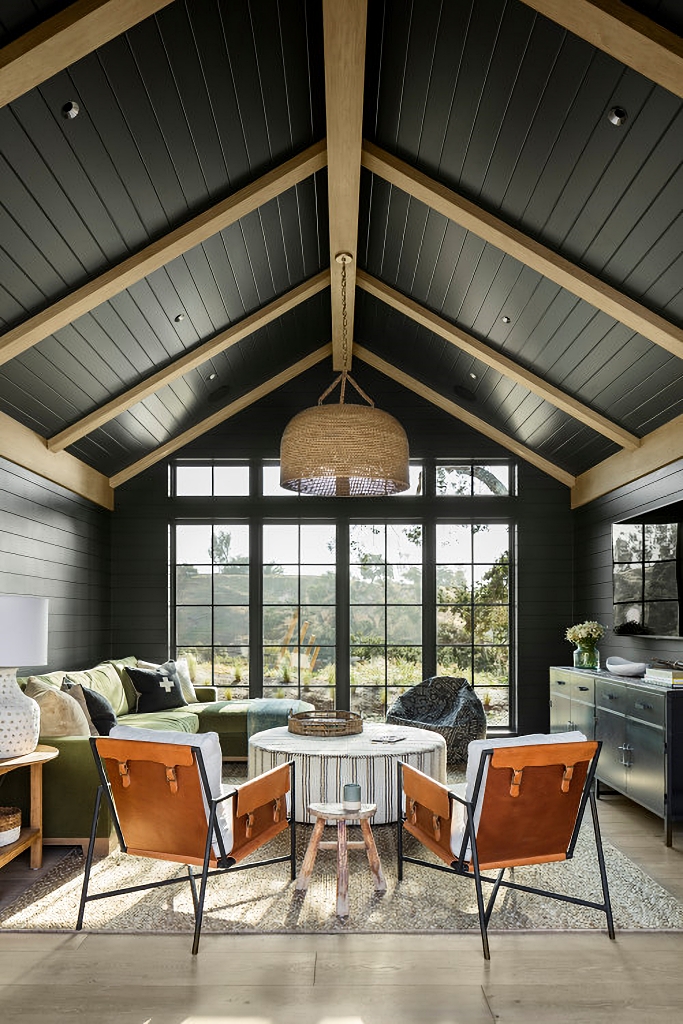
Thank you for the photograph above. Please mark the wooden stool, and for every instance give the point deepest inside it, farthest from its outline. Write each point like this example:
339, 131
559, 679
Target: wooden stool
336, 812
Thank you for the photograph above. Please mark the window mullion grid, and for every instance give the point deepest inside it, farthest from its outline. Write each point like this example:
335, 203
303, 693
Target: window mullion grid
343, 617
256, 607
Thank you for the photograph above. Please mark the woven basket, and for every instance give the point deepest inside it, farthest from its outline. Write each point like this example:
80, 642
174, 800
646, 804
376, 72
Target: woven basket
10, 825
325, 723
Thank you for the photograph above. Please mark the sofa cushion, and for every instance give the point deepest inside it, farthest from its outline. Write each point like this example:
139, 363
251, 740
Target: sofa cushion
60, 714
104, 679
183, 671
75, 690
120, 665
213, 762
158, 689
100, 711
178, 720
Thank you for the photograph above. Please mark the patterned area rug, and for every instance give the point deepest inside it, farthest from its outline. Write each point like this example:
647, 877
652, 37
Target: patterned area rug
264, 900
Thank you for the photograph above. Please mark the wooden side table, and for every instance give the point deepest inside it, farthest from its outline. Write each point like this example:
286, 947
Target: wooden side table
336, 812
31, 835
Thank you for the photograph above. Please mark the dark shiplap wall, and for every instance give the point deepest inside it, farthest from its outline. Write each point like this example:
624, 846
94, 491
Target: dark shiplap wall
593, 546
55, 544
143, 513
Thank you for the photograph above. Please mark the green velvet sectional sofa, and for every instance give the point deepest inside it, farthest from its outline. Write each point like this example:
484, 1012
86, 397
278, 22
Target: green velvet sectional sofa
70, 781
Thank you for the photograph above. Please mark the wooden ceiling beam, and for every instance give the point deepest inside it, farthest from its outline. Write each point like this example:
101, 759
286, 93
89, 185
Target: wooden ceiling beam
65, 38
624, 34
523, 248
659, 448
161, 252
344, 26
23, 447
497, 361
223, 414
458, 413
190, 361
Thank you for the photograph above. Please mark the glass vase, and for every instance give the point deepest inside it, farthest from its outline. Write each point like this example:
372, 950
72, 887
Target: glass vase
586, 656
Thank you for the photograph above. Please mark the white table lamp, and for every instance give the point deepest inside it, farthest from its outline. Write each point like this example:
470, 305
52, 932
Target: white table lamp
23, 641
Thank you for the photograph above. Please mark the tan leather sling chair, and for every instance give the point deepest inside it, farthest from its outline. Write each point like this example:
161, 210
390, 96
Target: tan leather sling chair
524, 805
164, 805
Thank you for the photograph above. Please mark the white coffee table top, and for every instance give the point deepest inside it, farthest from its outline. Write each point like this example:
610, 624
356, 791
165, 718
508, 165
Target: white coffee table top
375, 739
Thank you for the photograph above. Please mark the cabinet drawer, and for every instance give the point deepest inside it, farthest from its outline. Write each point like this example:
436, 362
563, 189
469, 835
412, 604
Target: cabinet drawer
612, 696
583, 689
561, 680
646, 706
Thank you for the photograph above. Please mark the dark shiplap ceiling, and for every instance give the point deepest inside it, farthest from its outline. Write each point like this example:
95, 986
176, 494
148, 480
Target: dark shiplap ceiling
203, 98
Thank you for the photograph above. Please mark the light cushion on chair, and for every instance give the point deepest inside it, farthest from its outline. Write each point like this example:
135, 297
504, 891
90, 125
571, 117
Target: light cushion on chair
474, 752
210, 747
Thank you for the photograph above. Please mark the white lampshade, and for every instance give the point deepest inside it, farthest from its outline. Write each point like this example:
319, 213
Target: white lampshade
23, 630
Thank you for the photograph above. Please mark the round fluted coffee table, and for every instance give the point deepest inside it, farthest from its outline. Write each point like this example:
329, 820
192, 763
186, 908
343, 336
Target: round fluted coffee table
323, 765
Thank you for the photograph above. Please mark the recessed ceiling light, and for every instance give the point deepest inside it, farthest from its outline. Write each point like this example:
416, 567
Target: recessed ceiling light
70, 110
617, 115
212, 376
179, 317
505, 319
473, 375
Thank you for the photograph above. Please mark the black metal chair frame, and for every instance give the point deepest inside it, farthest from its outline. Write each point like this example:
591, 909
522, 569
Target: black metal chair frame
460, 865
225, 862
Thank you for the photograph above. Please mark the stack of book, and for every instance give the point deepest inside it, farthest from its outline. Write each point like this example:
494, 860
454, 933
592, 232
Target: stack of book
668, 676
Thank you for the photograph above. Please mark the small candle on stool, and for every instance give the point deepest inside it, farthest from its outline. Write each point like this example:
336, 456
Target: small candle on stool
351, 797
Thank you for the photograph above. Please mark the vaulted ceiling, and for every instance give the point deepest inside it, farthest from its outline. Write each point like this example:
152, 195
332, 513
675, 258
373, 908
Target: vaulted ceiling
178, 178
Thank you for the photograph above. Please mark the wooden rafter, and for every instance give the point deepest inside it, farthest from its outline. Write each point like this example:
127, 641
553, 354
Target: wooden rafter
223, 414
161, 252
491, 357
23, 447
190, 361
508, 239
659, 448
461, 414
624, 34
344, 27
64, 39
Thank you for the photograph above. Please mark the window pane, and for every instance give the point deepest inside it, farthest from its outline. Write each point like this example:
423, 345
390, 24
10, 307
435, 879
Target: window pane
404, 665
193, 544
368, 666
404, 584
660, 541
231, 625
454, 624
491, 665
404, 544
491, 480
318, 585
193, 480
231, 584
661, 617
369, 701
491, 542
627, 543
193, 584
660, 581
281, 545
366, 543
280, 584
200, 662
416, 479
231, 481
367, 624
317, 625
454, 479
231, 543
491, 625
628, 581
454, 661
193, 625
271, 482
367, 583
453, 584
280, 625
491, 583
404, 624
318, 544
231, 668
453, 542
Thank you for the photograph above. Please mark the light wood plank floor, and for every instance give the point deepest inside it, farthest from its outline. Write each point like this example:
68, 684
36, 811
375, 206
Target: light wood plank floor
364, 979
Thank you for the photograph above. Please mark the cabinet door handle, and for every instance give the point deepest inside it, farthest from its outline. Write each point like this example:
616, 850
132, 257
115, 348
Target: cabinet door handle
584, 689
560, 682
642, 707
612, 696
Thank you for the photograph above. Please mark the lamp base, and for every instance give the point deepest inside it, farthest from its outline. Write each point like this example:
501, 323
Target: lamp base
19, 717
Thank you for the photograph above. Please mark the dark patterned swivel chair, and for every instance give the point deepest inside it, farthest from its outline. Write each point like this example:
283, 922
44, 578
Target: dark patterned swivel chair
445, 705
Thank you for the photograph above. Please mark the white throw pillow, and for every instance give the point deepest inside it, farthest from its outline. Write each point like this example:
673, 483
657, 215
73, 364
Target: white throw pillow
210, 747
60, 713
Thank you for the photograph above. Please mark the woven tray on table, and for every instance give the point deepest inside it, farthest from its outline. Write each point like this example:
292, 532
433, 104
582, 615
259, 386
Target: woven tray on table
325, 723
10, 825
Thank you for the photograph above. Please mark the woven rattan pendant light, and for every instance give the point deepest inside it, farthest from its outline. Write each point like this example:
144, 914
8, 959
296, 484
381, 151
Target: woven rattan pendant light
341, 450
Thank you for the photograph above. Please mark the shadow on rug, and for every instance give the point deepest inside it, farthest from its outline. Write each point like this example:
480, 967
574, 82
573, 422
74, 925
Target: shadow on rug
265, 901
